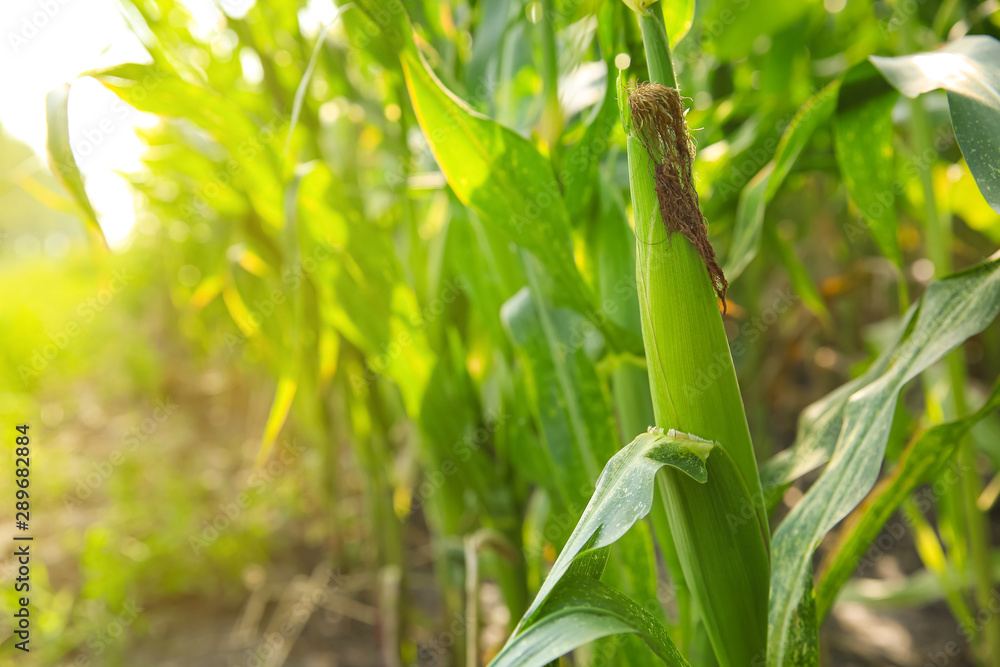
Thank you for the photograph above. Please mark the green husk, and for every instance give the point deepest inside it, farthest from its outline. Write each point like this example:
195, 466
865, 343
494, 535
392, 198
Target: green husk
719, 528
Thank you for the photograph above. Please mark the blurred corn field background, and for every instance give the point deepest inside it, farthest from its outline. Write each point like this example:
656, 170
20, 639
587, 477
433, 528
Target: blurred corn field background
390, 284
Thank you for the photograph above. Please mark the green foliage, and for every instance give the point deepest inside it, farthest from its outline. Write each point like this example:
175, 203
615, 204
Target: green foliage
923, 457
966, 69
428, 241
864, 148
950, 311
581, 609
63, 163
763, 187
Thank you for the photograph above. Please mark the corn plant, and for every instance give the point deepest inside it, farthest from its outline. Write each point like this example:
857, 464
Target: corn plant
520, 334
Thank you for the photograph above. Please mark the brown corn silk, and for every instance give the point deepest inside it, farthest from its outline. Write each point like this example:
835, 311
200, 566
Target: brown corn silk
658, 119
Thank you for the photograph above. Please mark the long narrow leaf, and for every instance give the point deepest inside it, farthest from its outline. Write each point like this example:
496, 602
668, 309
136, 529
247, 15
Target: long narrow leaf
624, 494
762, 188
921, 460
948, 313
503, 178
968, 70
63, 163
580, 610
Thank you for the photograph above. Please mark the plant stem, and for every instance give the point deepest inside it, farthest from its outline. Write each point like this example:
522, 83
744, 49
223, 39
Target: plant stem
654, 39
964, 494
725, 562
630, 382
551, 121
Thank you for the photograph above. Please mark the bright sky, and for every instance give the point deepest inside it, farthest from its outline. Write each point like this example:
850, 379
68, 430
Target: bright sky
44, 43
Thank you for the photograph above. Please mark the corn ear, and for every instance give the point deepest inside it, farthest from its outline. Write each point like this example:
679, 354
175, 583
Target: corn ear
719, 528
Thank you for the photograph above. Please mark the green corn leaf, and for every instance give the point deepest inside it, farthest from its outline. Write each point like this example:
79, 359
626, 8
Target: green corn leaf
283, 397
253, 164
968, 69
636, 574
300, 91
579, 610
798, 275
582, 160
357, 274
489, 33
762, 187
506, 181
820, 424
490, 275
816, 436
694, 389
919, 463
677, 18
749, 223
572, 411
624, 494
949, 312
63, 164
863, 145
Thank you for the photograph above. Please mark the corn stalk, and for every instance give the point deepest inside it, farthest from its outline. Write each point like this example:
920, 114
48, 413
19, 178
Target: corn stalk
719, 528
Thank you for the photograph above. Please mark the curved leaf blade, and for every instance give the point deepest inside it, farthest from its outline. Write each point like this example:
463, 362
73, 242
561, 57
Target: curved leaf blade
968, 69
920, 461
677, 19
62, 162
952, 310
762, 187
506, 181
624, 494
580, 610
573, 414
